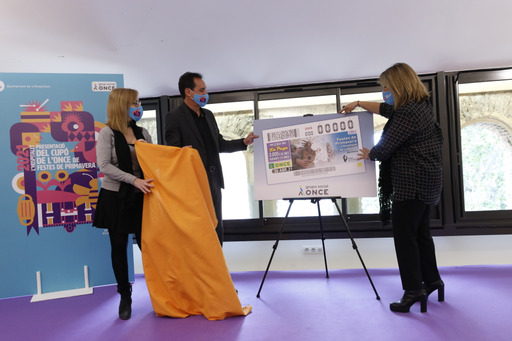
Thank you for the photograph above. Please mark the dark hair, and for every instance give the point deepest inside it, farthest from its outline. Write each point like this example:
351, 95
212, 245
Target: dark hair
187, 82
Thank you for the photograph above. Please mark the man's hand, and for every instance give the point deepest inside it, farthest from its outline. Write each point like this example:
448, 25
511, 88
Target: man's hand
250, 138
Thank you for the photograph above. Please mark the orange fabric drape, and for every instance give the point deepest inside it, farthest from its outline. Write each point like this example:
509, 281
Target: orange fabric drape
184, 266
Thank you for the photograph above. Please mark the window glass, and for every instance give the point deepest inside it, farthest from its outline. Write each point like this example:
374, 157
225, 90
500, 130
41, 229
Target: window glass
148, 121
366, 204
486, 143
298, 106
235, 120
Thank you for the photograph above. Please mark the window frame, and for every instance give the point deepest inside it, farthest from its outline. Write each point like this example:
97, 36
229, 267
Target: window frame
470, 219
447, 219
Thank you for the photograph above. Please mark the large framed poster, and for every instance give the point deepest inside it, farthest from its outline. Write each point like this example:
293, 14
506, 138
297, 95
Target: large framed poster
50, 181
313, 156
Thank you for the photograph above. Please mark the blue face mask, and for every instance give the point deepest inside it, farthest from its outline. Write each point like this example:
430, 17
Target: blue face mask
202, 100
388, 97
135, 113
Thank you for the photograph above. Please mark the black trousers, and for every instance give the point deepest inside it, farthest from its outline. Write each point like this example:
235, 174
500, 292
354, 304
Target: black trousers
414, 245
216, 192
119, 255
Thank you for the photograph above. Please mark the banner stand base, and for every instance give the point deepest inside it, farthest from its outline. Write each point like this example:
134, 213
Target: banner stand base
61, 294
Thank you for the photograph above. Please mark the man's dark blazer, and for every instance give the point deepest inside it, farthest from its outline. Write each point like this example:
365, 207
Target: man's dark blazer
181, 130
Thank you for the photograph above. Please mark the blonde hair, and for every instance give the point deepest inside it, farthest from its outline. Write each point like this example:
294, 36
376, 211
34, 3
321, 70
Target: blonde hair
404, 83
119, 100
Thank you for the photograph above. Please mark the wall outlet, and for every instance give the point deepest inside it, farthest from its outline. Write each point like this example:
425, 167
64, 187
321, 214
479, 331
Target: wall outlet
313, 250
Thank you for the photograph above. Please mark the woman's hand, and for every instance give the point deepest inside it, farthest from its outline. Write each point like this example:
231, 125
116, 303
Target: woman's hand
364, 154
347, 109
144, 185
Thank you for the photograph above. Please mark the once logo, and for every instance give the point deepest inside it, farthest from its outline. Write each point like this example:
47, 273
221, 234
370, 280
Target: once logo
2, 86
317, 191
103, 86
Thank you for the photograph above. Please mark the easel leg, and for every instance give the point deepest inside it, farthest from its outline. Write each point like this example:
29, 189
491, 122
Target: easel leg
275, 246
317, 201
354, 246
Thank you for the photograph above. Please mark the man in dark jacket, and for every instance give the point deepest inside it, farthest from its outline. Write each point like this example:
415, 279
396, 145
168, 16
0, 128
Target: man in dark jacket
192, 125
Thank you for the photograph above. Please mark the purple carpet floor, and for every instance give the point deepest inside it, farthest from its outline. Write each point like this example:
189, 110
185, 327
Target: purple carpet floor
293, 305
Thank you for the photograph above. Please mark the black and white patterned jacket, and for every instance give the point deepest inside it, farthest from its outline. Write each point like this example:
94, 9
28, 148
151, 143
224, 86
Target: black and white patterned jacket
413, 142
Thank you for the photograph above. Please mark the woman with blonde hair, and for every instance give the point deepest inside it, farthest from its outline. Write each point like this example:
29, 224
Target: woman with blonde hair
119, 207
410, 179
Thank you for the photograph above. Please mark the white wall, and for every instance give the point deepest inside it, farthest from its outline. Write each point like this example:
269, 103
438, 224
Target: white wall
252, 44
376, 253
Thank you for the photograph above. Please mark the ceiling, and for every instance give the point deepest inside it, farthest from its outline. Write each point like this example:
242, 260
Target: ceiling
241, 44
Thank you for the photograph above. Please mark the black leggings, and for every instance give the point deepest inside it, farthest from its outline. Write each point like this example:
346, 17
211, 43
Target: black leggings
119, 244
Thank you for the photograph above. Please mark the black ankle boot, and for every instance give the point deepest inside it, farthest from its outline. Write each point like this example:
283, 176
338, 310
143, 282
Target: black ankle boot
125, 308
437, 285
408, 299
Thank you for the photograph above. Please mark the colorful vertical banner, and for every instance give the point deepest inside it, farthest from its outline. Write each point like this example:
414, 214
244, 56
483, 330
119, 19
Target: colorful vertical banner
50, 181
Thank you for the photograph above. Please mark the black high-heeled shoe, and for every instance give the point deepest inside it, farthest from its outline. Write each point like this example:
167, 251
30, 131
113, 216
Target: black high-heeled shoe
437, 285
408, 299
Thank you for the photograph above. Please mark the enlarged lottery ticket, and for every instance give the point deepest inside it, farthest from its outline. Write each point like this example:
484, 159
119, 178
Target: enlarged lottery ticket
314, 150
